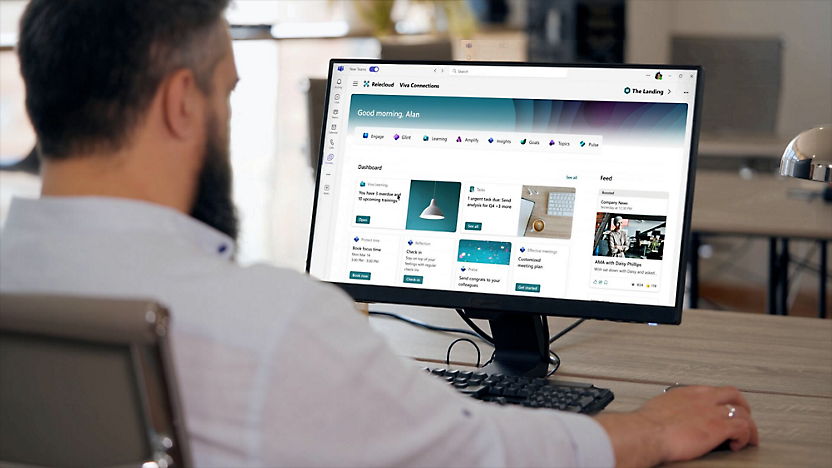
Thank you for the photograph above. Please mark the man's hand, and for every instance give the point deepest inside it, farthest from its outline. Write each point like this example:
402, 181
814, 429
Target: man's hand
681, 424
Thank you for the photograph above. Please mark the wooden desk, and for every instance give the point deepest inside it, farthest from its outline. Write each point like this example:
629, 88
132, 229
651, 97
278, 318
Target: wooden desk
766, 206
783, 365
724, 203
767, 147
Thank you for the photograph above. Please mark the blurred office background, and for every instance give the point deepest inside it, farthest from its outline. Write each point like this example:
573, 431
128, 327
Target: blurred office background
769, 76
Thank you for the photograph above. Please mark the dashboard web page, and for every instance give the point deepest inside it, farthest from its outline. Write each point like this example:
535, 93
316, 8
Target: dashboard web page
530, 181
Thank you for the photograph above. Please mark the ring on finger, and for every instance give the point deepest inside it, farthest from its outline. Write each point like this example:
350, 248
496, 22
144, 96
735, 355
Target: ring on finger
731, 411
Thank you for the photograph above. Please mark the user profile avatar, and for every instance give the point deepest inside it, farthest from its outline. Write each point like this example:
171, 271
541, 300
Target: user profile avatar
658, 75
627, 90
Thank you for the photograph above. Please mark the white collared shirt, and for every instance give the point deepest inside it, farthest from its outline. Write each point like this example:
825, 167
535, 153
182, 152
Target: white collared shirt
274, 368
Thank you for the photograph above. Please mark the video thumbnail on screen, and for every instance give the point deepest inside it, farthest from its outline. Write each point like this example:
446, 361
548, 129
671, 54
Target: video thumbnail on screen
629, 236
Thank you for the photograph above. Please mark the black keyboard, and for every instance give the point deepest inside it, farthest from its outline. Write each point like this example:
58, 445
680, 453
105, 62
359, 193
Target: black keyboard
533, 393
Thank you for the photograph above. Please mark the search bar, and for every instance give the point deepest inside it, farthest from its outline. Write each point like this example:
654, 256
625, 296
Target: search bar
510, 71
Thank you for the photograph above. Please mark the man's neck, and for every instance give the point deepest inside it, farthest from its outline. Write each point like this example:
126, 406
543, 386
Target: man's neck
104, 175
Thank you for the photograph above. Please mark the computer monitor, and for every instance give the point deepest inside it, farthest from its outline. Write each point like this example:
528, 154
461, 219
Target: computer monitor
427, 170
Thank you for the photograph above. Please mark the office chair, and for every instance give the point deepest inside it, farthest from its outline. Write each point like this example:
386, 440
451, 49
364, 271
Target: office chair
315, 101
87, 382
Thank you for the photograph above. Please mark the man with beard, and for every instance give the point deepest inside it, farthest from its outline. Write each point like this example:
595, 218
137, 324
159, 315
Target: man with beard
130, 103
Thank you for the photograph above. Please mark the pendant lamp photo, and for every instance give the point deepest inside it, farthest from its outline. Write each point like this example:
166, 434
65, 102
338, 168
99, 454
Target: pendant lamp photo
432, 211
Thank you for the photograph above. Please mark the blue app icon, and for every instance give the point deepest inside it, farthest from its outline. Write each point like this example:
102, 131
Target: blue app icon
340, 68
425, 138
491, 140
366, 135
627, 90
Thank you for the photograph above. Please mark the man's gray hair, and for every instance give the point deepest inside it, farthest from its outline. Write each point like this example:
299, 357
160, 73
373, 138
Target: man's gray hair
92, 67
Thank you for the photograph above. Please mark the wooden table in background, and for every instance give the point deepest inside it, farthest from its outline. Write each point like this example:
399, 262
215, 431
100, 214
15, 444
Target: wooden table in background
763, 206
783, 366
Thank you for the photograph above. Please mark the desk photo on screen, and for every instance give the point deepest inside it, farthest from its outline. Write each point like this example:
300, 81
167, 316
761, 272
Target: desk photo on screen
629, 236
546, 211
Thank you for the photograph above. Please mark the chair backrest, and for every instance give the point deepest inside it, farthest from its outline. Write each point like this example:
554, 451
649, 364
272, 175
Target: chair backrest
315, 101
87, 382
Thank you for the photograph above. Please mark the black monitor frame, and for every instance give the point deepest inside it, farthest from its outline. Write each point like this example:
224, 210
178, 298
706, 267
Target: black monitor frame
485, 305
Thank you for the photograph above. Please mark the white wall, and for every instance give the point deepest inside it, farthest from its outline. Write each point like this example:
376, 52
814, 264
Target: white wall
806, 26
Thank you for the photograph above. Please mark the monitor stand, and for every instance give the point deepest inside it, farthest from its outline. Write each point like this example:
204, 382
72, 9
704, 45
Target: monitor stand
521, 342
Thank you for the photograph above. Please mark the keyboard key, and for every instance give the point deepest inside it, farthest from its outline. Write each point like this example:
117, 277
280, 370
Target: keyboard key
476, 391
585, 401
439, 371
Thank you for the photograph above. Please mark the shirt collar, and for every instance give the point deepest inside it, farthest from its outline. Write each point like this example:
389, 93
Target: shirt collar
116, 215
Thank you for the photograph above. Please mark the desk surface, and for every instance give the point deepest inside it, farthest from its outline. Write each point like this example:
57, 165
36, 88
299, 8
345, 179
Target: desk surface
724, 203
768, 147
783, 365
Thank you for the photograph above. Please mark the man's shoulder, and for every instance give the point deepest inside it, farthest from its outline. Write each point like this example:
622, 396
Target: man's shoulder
268, 282
250, 302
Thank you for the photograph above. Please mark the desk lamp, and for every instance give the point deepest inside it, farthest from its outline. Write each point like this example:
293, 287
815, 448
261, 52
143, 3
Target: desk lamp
809, 156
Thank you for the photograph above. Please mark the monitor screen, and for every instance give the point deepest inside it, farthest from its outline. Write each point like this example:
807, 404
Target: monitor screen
551, 189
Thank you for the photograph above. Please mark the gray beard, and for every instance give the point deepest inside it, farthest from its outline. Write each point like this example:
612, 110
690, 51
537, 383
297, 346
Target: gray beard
213, 204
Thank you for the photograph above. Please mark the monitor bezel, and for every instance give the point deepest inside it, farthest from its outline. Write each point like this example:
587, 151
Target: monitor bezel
559, 307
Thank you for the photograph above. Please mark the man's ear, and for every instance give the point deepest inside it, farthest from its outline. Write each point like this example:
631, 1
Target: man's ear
180, 104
